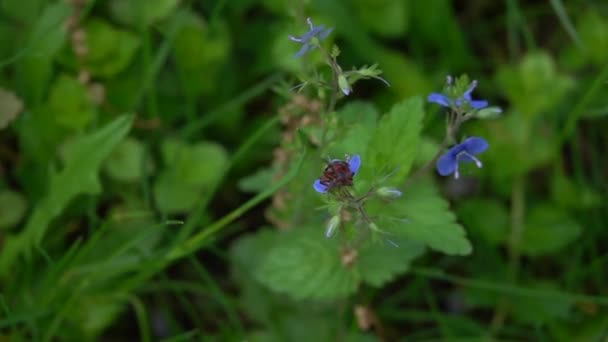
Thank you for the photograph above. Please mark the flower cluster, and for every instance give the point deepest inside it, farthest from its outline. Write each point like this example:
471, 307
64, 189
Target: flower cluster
462, 107
338, 176
307, 40
461, 102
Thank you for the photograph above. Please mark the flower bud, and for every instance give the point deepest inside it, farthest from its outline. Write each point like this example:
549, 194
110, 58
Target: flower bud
333, 224
488, 113
390, 193
344, 85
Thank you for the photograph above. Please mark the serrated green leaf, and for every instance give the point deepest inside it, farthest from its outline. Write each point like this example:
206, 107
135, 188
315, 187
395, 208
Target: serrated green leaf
422, 215
304, 264
379, 263
395, 142
79, 175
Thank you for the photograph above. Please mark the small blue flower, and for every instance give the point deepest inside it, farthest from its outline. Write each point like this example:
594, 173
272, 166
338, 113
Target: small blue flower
463, 152
445, 101
338, 173
319, 31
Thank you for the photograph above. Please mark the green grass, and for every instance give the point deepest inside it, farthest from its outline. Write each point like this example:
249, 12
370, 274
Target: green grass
167, 172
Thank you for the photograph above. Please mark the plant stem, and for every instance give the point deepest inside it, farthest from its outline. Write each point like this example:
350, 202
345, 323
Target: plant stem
331, 105
518, 204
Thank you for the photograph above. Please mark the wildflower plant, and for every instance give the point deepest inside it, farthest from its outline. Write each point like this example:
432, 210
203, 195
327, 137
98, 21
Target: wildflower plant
356, 214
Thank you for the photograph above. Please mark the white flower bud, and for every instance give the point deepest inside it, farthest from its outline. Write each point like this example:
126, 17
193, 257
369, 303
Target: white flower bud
333, 224
344, 85
387, 192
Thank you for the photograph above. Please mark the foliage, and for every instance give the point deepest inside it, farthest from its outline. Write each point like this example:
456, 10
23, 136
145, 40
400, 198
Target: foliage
277, 178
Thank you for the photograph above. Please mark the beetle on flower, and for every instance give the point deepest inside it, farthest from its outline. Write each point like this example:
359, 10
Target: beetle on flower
445, 101
338, 173
463, 152
306, 39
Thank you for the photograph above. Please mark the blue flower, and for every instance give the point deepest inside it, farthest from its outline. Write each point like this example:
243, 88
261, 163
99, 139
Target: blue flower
463, 152
338, 173
445, 101
306, 39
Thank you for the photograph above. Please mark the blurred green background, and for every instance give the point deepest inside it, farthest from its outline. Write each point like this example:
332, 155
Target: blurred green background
128, 125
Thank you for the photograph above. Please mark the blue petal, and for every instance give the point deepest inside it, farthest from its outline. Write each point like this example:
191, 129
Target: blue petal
302, 51
325, 33
467, 94
475, 145
313, 32
478, 104
319, 187
354, 163
465, 158
446, 165
439, 99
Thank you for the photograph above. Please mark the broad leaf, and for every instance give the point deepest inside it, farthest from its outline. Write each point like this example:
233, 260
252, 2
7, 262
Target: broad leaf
395, 142
422, 215
306, 265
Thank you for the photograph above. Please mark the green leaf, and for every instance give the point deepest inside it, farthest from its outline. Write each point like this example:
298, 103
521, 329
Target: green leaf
141, 13
187, 174
69, 103
258, 181
79, 175
487, 217
394, 14
304, 264
568, 194
110, 49
548, 230
534, 86
422, 215
126, 163
379, 263
395, 142
358, 121
172, 195
200, 51
47, 37
12, 208
192, 162
541, 310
